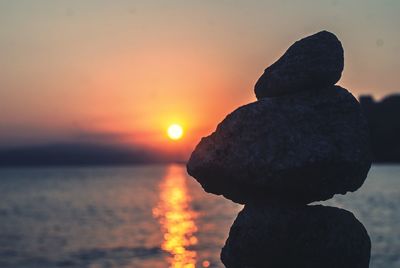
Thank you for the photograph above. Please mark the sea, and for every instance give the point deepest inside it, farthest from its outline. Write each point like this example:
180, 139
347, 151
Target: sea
151, 216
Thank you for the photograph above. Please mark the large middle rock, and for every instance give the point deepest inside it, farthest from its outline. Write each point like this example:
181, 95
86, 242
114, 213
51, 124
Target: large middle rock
296, 149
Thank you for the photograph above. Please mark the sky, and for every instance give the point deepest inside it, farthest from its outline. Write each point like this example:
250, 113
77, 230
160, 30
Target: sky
122, 71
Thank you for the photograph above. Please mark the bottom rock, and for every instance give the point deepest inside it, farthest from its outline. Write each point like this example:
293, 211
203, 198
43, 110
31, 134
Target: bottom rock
305, 236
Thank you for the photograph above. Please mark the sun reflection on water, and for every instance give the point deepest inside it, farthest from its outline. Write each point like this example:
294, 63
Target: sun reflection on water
177, 219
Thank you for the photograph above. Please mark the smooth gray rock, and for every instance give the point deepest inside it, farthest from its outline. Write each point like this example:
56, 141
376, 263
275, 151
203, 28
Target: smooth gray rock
293, 149
309, 237
313, 62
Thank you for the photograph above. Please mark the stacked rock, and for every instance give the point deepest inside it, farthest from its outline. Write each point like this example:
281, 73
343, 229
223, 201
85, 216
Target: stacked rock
304, 140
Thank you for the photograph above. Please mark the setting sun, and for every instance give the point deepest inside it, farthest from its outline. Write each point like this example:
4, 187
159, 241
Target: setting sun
175, 132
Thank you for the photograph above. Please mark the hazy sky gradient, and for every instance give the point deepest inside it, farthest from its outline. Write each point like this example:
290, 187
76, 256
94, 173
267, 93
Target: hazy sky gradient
124, 70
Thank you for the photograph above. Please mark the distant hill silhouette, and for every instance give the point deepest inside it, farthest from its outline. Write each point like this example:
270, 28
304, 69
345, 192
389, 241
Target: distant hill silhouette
384, 122
383, 118
68, 154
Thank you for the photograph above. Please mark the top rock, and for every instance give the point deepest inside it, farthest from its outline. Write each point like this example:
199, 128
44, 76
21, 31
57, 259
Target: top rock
313, 62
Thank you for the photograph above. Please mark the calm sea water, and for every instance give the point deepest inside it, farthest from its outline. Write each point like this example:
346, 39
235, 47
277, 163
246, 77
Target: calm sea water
150, 216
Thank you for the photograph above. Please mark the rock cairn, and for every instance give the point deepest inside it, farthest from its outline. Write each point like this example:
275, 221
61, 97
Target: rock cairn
304, 140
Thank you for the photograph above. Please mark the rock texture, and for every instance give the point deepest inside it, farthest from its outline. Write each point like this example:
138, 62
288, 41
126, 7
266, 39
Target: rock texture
309, 236
311, 63
297, 149
304, 140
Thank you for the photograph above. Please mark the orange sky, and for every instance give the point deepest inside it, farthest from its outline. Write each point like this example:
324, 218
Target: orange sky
124, 70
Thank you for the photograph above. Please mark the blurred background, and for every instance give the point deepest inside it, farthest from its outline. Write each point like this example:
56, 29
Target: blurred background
101, 103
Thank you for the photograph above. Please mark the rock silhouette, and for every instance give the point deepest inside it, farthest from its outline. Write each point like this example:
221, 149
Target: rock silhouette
304, 140
313, 62
317, 236
299, 148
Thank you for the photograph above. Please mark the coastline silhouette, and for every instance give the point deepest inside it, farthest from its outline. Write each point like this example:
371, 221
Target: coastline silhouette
382, 118
384, 125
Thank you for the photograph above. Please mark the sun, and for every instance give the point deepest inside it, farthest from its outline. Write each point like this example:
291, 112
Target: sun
175, 132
